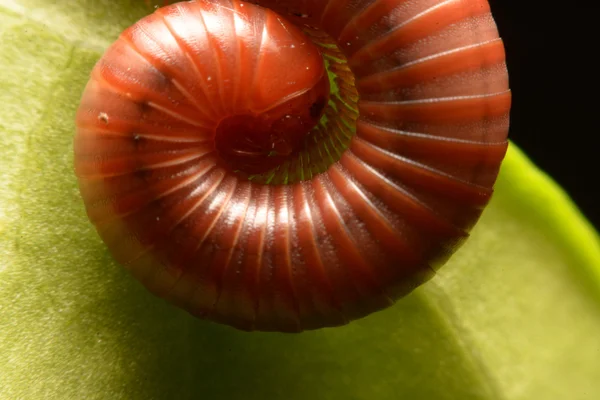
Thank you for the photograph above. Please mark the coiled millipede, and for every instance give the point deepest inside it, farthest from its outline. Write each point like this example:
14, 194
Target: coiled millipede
298, 170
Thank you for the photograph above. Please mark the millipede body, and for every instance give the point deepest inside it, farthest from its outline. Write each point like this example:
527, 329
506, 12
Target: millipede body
290, 165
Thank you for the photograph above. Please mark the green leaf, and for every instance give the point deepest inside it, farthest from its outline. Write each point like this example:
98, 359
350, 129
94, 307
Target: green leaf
515, 314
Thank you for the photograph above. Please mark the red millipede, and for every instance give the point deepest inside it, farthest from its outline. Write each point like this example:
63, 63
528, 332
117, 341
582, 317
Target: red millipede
285, 165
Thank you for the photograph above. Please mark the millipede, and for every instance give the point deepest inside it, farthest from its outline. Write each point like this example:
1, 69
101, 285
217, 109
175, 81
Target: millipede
288, 165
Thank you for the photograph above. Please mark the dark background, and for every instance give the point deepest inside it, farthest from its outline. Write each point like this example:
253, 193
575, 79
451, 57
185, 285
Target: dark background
551, 53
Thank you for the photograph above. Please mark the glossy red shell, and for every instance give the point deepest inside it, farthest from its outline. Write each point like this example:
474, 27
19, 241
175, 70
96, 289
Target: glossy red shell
430, 135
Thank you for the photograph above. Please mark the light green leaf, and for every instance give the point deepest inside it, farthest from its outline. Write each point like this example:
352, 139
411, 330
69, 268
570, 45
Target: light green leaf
514, 315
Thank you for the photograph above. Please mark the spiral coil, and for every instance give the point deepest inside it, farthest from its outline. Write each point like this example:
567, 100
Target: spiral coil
379, 194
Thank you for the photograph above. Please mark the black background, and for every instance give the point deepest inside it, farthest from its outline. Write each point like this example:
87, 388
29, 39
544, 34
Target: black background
551, 52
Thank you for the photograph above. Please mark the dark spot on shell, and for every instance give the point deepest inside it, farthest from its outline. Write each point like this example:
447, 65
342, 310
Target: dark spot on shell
160, 78
317, 107
144, 108
143, 174
299, 14
138, 140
